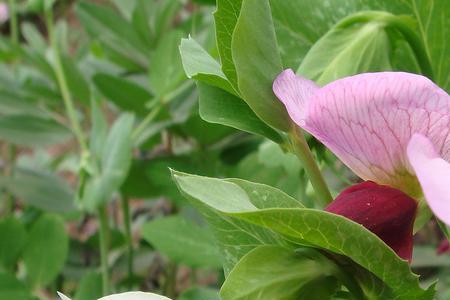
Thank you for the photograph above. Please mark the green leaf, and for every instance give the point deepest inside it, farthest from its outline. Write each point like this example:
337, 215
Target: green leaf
258, 62
307, 227
167, 69
76, 81
226, 18
241, 237
41, 189
124, 93
273, 272
114, 165
218, 106
90, 287
167, 234
434, 27
199, 65
12, 288
199, 293
345, 51
116, 33
32, 131
46, 250
12, 243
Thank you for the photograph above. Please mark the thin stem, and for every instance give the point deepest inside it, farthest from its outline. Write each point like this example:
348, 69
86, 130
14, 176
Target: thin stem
104, 246
13, 22
170, 283
301, 149
128, 238
63, 86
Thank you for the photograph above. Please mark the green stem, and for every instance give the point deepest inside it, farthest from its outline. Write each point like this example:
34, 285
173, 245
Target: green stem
104, 242
170, 283
301, 149
64, 88
13, 22
128, 238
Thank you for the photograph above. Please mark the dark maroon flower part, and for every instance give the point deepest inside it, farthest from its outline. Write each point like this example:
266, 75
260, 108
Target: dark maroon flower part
387, 212
444, 247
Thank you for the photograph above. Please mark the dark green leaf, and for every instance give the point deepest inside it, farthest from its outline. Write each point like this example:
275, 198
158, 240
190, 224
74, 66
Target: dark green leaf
199, 293
258, 63
12, 242
31, 131
218, 106
114, 165
12, 288
90, 287
166, 67
198, 250
124, 93
46, 250
40, 189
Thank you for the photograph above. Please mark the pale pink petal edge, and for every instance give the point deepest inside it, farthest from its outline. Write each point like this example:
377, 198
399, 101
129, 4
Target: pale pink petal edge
433, 173
294, 91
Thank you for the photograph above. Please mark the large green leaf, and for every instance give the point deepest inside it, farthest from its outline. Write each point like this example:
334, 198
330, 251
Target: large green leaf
167, 234
307, 226
114, 165
12, 288
13, 239
257, 61
221, 107
40, 189
90, 287
32, 131
46, 250
274, 272
241, 236
199, 65
226, 18
124, 93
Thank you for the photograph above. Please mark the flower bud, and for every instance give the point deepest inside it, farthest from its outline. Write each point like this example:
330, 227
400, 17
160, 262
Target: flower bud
387, 212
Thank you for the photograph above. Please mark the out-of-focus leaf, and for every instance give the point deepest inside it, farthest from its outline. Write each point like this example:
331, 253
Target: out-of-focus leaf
117, 34
278, 273
218, 106
75, 80
124, 93
40, 189
31, 131
46, 250
90, 287
162, 14
12, 242
198, 246
426, 257
258, 63
199, 65
166, 67
12, 288
99, 129
199, 293
33, 37
114, 165
13, 104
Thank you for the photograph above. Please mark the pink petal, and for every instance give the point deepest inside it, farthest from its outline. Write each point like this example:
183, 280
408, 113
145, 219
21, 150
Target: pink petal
294, 92
367, 120
433, 173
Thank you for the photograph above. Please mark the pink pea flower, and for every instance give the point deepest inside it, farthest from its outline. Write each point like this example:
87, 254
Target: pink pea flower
392, 128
